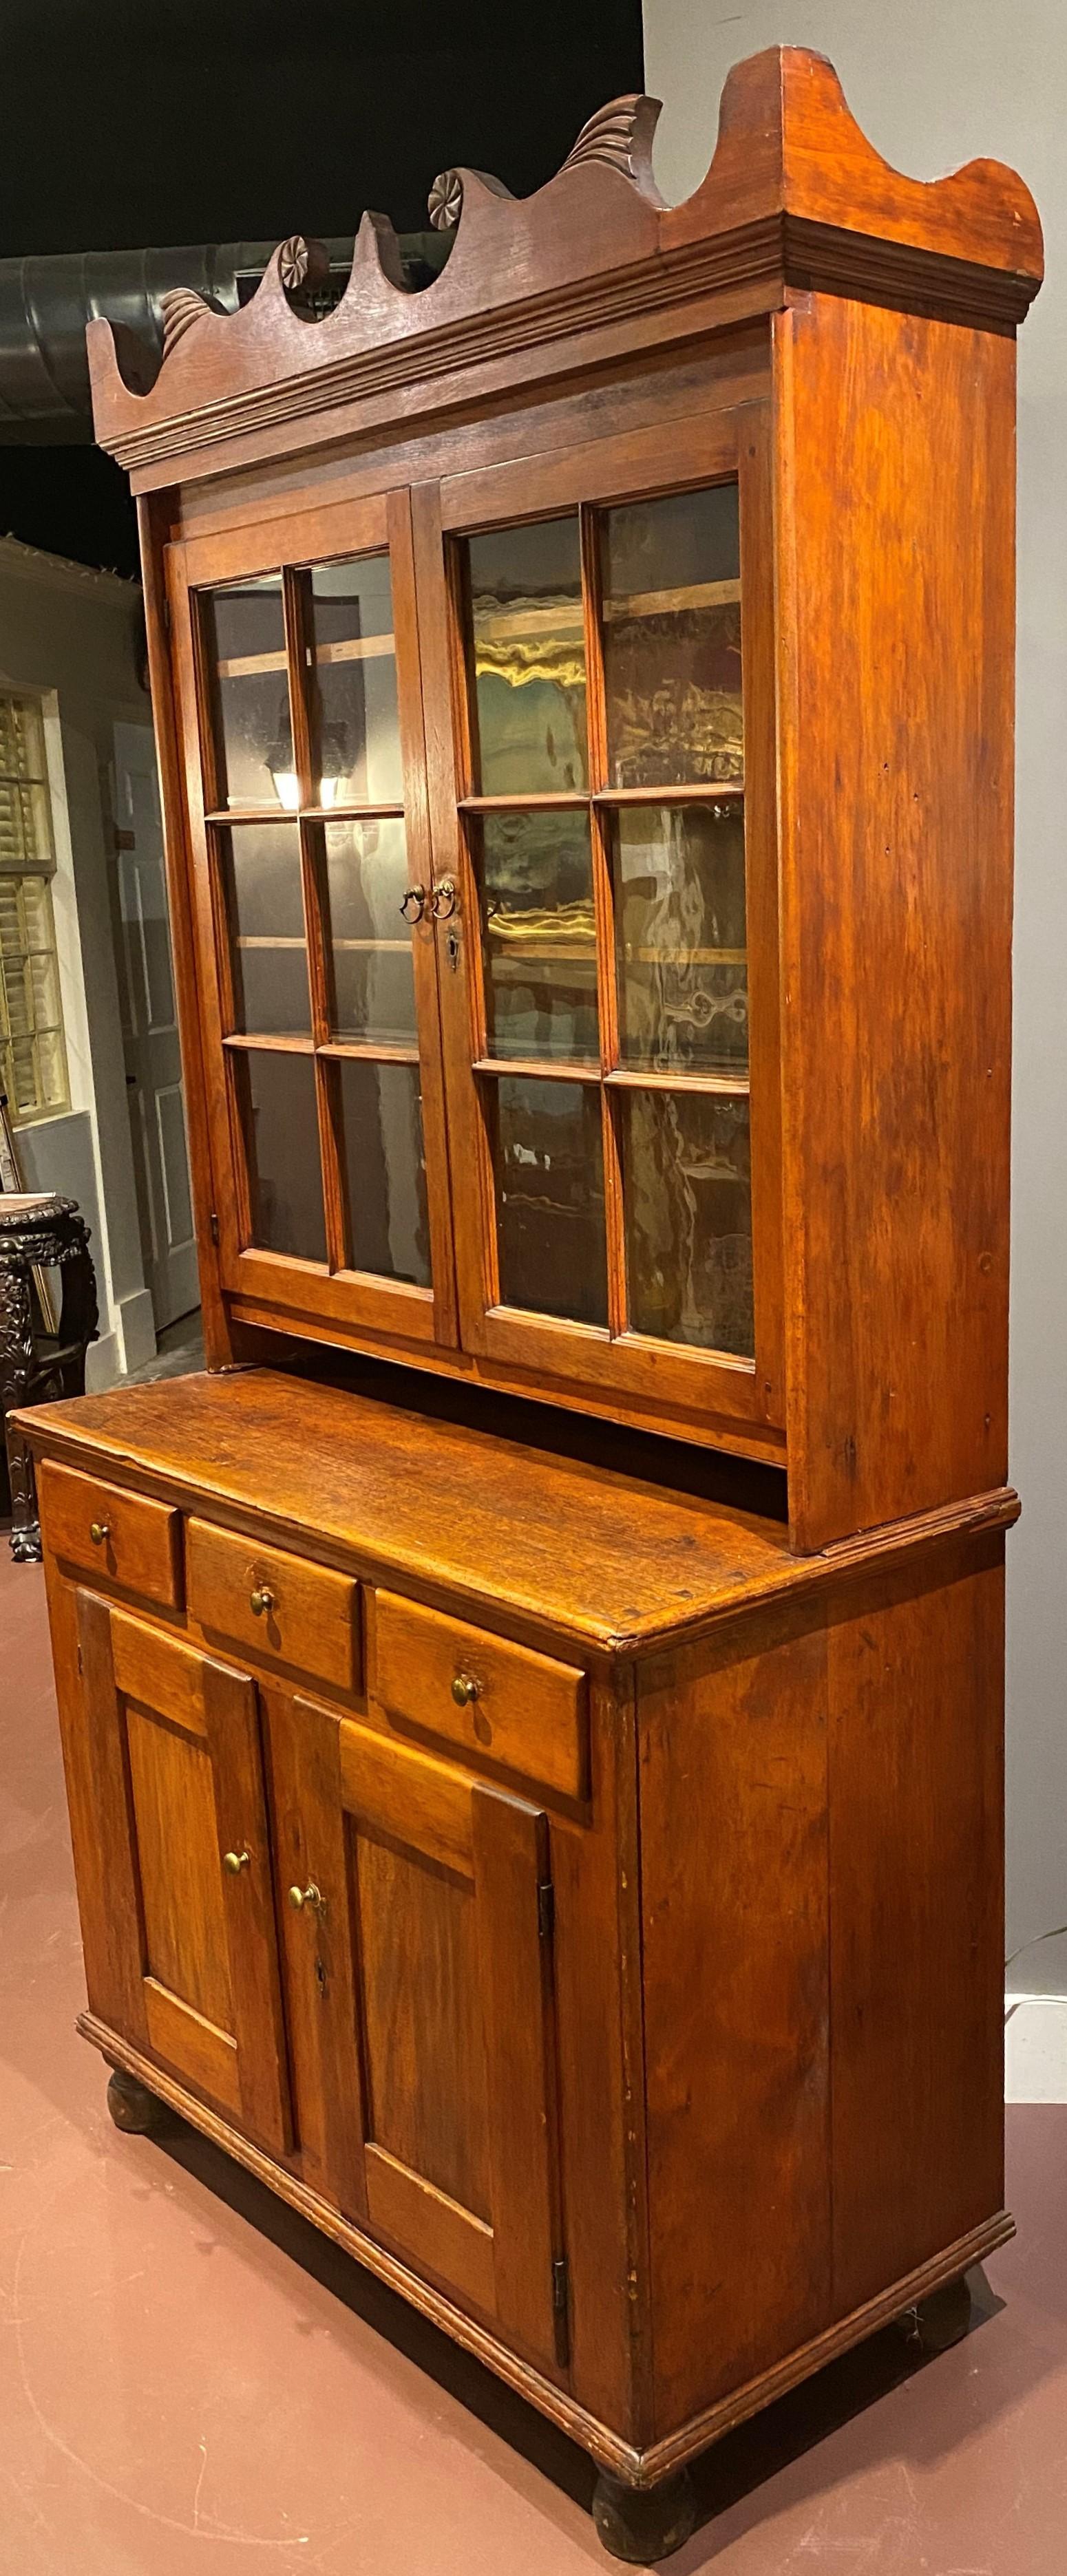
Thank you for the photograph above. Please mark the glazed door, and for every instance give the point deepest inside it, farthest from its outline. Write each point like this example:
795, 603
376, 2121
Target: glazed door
177, 1772
297, 662
610, 996
419, 1999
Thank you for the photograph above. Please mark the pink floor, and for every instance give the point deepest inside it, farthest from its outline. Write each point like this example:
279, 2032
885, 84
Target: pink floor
194, 2383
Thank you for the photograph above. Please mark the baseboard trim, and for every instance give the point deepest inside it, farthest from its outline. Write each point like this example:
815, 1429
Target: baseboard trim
637, 2468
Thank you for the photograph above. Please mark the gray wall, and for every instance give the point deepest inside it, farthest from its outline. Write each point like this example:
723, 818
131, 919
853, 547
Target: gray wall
934, 83
71, 635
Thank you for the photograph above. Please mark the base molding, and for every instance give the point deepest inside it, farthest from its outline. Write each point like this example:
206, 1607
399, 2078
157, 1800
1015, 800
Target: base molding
632, 2467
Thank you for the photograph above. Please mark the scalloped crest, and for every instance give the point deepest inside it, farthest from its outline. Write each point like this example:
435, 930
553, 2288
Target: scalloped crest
180, 308
620, 135
794, 196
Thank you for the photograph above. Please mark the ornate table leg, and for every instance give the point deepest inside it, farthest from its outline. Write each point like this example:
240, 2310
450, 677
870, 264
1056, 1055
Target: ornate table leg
16, 1364
80, 1314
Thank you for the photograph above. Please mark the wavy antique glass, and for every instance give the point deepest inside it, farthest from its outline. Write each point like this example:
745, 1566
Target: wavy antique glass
355, 728
244, 641
373, 994
679, 875
549, 1170
385, 1169
686, 1171
277, 1098
672, 639
538, 935
268, 945
528, 712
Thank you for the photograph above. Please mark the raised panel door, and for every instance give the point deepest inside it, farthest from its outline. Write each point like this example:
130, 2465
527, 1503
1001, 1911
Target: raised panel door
418, 1966
176, 1765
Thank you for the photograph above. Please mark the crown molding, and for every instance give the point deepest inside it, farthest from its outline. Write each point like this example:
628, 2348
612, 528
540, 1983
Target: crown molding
795, 200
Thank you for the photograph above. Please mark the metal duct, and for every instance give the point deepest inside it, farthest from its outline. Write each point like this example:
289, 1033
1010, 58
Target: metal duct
45, 305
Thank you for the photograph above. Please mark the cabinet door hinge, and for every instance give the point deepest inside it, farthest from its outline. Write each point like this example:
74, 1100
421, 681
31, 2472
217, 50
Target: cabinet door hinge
213, 1222
546, 1909
560, 2285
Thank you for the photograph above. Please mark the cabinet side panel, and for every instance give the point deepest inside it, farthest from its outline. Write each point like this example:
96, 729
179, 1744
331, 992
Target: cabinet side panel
895, 563
916, 1912
734, 1903
598, 2030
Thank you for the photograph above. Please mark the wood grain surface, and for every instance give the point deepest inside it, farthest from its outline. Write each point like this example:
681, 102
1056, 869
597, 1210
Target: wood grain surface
562, 1547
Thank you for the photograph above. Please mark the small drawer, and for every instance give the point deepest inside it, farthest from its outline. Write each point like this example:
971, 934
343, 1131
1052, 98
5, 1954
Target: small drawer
126, 1539
276, 1606
481, 1693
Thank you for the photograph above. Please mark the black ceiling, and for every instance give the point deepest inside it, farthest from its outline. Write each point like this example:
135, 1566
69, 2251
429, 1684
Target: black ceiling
134, 122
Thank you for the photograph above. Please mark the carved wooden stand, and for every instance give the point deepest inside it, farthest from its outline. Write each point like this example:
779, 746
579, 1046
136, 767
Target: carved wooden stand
50, 1235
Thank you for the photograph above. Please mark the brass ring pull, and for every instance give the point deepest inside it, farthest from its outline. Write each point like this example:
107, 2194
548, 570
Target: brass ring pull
260, 1600
99, 1531
235, 1862
445, 898
309, 1895
415, 895
465, 1689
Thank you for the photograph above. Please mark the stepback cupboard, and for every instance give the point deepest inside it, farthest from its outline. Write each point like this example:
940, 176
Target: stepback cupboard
532, 1708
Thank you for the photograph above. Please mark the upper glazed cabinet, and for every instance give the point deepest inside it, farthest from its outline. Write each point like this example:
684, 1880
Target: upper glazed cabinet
584, 701
491, 1067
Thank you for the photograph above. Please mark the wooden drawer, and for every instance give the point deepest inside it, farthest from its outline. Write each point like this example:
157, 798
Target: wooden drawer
308, 1616
137, 1543
527, 1711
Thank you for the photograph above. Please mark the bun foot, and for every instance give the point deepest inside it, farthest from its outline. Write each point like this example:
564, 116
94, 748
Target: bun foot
131, 2104
640, 2524
941, 2320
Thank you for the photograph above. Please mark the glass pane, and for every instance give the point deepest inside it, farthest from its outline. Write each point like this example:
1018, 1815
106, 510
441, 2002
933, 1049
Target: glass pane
680, 937
356, 724
269, 949
244, 639
539, 935
550, 1197
528, 722
282, 1145
381, 1127
688, 1218
672, 639
374, 979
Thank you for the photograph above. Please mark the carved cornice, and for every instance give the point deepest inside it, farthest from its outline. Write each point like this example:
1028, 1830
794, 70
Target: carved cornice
795, 198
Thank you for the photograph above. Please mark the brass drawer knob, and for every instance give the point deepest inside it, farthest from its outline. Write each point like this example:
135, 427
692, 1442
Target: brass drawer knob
309, 1895
465, 1689
99, 1532
260, 1600
235, 1862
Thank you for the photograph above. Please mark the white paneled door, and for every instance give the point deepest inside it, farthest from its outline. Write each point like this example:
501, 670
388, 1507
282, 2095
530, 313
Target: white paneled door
150, 1032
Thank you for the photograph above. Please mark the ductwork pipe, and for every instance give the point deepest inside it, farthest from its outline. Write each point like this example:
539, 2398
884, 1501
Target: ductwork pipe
45, 305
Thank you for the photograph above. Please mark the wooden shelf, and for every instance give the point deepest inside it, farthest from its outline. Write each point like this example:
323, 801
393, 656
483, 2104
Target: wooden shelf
257, 1044
621, 1078
537, 1068
732, 1086
572, 798
348, 813
356, 648
699, 791
668, 603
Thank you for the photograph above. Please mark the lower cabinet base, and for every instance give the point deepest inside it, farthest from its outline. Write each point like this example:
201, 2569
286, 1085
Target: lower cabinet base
642, 2504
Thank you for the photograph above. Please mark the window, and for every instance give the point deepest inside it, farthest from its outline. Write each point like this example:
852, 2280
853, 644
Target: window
33, 1057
